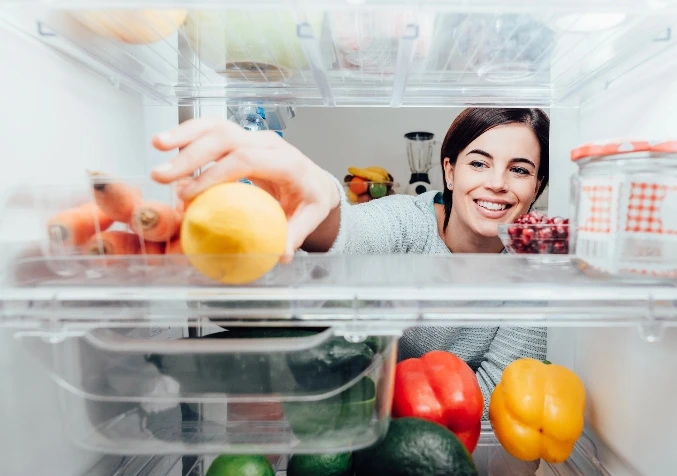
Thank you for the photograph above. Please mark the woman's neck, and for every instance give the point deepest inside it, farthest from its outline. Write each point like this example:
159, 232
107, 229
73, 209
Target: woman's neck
460, 239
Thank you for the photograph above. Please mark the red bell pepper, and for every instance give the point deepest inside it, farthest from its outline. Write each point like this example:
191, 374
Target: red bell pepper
440, 387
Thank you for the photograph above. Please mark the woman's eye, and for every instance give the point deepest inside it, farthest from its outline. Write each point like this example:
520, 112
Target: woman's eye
477, 164
521, 171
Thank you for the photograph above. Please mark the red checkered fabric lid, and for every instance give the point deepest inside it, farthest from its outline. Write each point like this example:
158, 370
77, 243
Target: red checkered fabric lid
622, 147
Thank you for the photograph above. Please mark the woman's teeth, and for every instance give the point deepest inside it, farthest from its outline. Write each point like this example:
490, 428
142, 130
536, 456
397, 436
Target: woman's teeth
492, 206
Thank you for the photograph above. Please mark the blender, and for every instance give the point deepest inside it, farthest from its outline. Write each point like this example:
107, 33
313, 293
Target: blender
420, 154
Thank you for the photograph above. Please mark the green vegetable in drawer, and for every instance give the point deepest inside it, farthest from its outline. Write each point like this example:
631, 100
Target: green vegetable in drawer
322, 368
339, 464
337, 419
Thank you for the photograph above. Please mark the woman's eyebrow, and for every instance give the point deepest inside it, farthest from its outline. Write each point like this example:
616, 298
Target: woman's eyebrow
480, 152
522, 160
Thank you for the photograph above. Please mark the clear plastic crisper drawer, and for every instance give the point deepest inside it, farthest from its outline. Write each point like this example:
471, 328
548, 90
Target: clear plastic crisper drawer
379, 53
236, 390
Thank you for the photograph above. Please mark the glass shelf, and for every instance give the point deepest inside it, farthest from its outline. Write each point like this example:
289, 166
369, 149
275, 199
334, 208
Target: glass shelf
378, 53
350, 293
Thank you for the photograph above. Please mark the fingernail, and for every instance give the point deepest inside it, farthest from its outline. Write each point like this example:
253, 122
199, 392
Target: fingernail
164, 137
166, 167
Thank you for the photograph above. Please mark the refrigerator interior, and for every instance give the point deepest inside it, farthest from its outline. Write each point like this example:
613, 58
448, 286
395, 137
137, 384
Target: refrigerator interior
79, 101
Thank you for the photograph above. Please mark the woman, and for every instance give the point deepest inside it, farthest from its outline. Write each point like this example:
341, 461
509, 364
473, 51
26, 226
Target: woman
494, 164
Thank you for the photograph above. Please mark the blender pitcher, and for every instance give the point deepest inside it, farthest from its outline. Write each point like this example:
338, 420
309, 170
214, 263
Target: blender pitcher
420, 155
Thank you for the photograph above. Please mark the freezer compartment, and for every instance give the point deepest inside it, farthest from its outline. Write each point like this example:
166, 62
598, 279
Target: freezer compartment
382, 53
261, 390
490, 458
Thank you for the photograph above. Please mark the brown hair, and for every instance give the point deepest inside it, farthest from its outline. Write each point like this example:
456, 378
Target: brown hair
473, 122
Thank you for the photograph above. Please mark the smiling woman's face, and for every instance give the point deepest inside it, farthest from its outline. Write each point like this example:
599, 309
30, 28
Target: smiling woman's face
495, 178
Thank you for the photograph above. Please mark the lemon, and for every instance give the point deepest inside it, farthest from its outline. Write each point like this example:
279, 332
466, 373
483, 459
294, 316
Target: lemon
234, 233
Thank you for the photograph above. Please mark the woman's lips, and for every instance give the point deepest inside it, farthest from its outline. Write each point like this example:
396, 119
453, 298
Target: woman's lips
492, 214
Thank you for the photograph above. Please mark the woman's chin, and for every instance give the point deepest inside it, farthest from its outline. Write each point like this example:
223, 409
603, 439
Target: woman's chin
488, 230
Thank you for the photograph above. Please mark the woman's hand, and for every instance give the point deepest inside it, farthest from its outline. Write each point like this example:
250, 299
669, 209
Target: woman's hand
305, 191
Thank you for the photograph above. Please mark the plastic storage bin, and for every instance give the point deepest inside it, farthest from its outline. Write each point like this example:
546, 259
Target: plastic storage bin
238, 390
625, 208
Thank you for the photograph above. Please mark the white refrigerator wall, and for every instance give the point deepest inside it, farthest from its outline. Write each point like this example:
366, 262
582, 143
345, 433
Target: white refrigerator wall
631, 383
56, 121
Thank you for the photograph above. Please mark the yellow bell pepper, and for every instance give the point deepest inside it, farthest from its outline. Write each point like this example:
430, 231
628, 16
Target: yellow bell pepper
537, 410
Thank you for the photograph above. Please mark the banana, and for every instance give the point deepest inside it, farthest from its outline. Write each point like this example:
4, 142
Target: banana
379, 170
369, 175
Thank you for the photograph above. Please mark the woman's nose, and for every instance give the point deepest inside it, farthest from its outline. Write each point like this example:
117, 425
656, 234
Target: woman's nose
496, 182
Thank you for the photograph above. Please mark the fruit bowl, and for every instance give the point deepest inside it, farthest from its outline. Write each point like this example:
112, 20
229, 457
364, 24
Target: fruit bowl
365, 184
535, 233
368, 191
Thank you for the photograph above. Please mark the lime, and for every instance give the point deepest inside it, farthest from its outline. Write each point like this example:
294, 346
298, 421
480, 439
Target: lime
321, 465
244, 465
378, 190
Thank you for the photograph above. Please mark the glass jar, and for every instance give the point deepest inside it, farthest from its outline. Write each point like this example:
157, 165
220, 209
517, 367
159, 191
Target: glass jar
624, 200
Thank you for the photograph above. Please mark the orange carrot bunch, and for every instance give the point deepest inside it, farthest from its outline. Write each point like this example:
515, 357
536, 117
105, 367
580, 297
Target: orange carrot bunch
115, 199
155, 221
73, 227
153, 226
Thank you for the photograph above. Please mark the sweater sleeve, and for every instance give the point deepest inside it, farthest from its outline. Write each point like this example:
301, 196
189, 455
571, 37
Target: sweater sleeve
509, 344
388, 225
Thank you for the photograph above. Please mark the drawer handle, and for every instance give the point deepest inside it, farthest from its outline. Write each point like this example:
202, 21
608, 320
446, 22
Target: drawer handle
107, 340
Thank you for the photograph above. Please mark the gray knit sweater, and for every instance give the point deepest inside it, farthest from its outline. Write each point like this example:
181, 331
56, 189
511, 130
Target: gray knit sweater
405, 224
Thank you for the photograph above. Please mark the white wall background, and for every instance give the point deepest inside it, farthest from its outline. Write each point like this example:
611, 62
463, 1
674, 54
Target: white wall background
56, 121
340, 137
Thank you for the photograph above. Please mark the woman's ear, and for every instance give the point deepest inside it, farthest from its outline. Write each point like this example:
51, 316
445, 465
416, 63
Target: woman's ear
448, 174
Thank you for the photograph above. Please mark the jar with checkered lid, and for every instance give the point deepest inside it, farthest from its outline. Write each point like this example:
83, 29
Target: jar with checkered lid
624, 203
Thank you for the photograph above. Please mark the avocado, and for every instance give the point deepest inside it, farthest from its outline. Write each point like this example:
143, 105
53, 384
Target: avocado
415, 447
339, 464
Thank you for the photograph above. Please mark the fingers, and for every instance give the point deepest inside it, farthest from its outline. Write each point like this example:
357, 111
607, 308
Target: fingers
209, 148
189, 131
235, 167
203, 141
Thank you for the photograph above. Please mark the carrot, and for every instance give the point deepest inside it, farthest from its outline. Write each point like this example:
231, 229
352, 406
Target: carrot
113, 243
116, 199
174, 247
73, 227
175, 252
154, 248
155, 221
